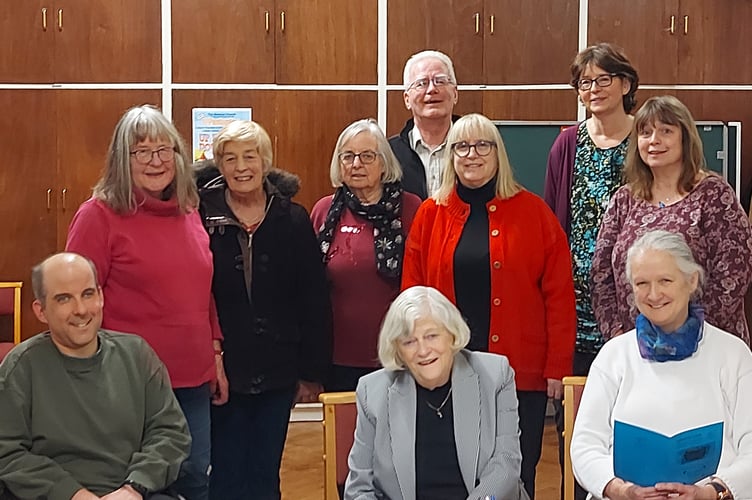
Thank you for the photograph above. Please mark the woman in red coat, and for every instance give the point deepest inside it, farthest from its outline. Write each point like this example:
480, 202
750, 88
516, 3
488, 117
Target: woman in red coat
499, 253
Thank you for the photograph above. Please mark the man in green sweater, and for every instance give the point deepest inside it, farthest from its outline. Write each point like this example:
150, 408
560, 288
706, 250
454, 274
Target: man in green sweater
85, 413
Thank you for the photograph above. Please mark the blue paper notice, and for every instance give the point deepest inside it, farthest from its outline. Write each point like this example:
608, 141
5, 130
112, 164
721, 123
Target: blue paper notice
646, 457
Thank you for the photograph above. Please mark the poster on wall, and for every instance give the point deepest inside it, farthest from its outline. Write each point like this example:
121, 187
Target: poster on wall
207, 122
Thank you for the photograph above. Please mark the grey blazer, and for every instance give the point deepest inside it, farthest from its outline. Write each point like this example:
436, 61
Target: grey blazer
484, 403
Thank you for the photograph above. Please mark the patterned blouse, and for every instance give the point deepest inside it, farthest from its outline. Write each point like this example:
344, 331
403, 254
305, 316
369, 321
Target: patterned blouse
595, 178
718, 232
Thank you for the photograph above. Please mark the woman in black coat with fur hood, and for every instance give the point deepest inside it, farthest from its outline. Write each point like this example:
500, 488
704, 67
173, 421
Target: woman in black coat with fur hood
273, 304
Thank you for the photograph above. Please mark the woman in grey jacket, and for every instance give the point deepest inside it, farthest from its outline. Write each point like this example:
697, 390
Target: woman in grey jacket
437, 421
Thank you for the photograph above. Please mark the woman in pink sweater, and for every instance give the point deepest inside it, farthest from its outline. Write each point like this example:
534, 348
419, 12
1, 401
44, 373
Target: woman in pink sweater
143, 232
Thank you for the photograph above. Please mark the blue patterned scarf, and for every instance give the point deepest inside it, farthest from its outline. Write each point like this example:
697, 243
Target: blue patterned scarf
660, 346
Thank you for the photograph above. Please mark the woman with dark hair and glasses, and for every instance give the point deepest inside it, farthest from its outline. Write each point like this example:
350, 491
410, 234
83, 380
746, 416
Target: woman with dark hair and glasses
583, 172
142, 230
498, 252
361, 231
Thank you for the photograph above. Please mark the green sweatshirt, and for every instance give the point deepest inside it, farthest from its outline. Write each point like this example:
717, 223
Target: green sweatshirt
69, 423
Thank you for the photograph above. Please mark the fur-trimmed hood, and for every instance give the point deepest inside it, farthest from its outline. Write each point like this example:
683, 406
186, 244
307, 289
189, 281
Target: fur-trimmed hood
207, 176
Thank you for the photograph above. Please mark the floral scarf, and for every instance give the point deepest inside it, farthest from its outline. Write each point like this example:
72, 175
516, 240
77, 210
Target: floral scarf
385, 215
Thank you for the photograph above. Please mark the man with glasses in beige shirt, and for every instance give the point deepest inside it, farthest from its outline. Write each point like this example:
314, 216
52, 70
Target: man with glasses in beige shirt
430, 95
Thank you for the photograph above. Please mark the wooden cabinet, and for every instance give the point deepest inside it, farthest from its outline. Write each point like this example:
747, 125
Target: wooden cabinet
304, 126
275, 41
77, 41
679, 41
58, 139
490, 41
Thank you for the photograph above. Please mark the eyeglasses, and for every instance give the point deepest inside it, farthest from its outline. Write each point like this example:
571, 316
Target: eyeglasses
421, 84
601, 81
145, 156
482, 148
366, 157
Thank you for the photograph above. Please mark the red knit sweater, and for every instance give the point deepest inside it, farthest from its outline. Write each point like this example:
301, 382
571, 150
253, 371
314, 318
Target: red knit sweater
155, 269
533, 318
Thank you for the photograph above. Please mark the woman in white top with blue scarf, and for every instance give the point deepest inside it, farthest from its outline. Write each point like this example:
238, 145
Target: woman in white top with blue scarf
672, 373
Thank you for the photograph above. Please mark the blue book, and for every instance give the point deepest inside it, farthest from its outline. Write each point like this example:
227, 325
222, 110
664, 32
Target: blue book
645, 457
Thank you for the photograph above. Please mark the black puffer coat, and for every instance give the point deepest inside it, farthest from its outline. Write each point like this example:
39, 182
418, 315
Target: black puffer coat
270, 289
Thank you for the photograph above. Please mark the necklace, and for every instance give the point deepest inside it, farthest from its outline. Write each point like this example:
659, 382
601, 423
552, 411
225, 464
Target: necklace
438, 409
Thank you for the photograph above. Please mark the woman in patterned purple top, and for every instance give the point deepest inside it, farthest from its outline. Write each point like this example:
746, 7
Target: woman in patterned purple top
668, 187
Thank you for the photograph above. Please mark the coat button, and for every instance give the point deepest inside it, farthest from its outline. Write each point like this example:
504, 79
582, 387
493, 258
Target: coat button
492, 208
495, 232
497, 302
494, 338
497, 264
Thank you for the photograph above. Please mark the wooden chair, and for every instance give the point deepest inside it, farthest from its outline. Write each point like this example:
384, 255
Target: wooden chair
573, 387
339, 428
10, 305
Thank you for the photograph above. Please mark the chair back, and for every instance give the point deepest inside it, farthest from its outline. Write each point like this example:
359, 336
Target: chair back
10, 305
340, 415
573, 387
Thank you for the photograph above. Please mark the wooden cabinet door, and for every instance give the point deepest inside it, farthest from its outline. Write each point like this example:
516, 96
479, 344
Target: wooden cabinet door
306, 130
223, 41
85, 122
332, 42
114, 41
643, 28
27, 138
717, 46
454, 27
529, 42
26, 38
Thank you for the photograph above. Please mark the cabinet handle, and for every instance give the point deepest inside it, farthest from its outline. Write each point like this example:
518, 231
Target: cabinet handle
49, 198
686, 24
477, 22
493, 21
60, 19
672, 25
282, 21
65, 193
44, 19
266, 20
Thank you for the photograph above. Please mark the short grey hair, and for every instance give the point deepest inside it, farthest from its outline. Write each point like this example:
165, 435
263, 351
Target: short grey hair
37, 273
673, 244
244, 131
418, 302
392, 168
422, 56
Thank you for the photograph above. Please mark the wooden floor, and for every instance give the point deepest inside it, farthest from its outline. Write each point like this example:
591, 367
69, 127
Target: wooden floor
303, 469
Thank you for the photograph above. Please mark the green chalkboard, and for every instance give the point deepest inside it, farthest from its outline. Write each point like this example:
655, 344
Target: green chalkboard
528, 144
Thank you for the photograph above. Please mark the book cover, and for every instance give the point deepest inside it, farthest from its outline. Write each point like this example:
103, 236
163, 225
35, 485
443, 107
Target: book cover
646, 457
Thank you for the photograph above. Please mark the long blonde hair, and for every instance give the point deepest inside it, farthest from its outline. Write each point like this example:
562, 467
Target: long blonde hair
476, 126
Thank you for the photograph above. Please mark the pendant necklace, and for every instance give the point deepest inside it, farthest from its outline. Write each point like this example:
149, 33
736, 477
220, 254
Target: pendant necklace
438, 409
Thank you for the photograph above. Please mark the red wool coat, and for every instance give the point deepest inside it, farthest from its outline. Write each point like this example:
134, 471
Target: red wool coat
533, 319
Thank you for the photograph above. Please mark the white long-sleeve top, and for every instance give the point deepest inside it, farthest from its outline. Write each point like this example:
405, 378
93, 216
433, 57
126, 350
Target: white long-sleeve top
712, 385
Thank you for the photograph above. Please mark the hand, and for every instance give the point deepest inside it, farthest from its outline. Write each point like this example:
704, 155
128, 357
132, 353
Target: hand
308, 392
618, 489
687, 491
220, 388
84, 494
554, 389
123, 493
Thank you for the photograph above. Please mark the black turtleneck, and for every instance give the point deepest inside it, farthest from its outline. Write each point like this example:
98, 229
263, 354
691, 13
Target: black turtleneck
472, 265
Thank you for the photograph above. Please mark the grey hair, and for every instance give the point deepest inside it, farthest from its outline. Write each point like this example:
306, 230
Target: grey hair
418, 302
392, 169
428, 54
140, 123
37, 273
673, 244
